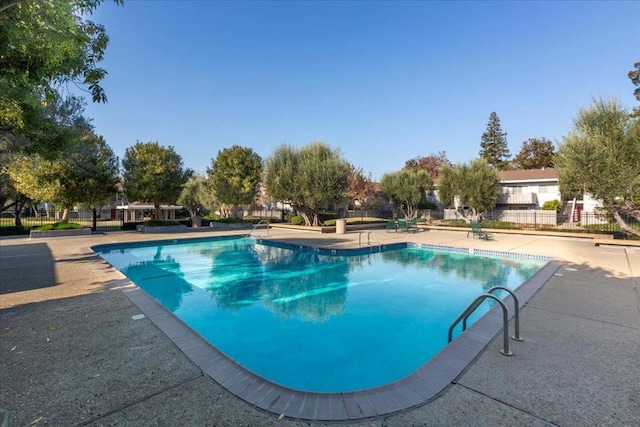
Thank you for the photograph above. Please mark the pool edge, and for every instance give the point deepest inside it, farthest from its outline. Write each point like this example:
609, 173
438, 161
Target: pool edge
422, 386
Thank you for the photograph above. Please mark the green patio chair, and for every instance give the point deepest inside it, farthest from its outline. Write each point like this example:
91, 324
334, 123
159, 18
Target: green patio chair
477, 231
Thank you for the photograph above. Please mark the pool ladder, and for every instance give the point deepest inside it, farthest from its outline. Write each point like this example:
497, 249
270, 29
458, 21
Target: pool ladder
505, 316
369, 234
261, 222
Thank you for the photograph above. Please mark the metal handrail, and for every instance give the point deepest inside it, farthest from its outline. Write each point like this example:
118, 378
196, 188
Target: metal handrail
369, 234
360, 238
505, 320
516, 312
261, 222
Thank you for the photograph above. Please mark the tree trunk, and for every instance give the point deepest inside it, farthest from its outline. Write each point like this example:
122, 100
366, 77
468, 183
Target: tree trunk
19, 206
623, 225
306, 218
94, 224
66, 213
4, 207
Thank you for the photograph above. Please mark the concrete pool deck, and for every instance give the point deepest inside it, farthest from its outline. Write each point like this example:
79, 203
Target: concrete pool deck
71, 352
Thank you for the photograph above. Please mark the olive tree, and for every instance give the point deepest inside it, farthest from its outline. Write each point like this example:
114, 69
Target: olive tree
406, 189
601, 156
193, 194
309, 177
474, 185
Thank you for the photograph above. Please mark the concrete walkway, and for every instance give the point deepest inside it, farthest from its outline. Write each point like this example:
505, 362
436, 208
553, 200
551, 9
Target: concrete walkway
71, 352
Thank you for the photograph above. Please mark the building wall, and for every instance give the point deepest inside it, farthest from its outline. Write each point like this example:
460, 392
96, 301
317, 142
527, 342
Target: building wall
533, 194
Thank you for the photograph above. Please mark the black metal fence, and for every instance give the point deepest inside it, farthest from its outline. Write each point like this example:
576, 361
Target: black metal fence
584, 222
32, 219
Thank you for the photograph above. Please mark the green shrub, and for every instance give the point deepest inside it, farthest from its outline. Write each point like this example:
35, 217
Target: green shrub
160, 222
323, 217
212, 217
297, 220
332, 222
288, 216
504, 225
60, 226
455, 222
552, 205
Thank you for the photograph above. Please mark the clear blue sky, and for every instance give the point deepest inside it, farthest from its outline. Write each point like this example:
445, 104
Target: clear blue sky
382, 81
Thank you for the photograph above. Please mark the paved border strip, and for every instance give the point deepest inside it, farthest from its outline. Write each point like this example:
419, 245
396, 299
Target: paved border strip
416, 389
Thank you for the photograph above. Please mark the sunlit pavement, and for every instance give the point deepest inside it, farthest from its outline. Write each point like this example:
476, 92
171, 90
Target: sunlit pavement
72, 353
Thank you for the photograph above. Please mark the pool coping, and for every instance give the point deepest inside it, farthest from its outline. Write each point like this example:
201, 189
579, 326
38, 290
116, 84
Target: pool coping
422, 386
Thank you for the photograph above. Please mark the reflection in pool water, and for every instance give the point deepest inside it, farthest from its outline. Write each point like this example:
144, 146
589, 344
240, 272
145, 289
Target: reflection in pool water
311, 320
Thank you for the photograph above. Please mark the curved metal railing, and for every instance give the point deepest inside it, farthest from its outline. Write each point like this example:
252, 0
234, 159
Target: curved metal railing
505, 316
261, 222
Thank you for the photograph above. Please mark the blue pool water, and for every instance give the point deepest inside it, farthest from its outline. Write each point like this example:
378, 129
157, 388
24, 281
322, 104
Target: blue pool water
315, 320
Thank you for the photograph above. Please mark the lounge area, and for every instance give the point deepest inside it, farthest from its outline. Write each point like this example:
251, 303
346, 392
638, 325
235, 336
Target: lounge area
402, 225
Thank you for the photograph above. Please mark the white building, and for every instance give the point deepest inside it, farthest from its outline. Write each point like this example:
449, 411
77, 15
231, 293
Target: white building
528, 189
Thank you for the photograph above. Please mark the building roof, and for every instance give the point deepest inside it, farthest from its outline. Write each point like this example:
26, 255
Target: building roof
138, 206
545, 174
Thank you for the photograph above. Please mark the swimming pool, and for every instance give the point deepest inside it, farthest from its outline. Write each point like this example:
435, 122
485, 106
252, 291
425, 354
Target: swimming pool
318, 320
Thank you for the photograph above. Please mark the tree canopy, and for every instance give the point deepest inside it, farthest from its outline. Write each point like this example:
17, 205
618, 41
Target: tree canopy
235, 175
431, 163
634, 75
65, 125
154, 174
535, 154
309, 177
493, 144
44, 45
87, 174
601, 157
474, 185
84, 171
95, 173
360, 187
194, 194
407, 188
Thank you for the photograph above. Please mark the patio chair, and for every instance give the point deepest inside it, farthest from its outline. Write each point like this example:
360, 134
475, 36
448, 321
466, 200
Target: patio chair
392, 225
476, 230
402, 225
412, 225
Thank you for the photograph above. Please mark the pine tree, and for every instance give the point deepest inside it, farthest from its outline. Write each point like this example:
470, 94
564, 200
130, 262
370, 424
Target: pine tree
494, 144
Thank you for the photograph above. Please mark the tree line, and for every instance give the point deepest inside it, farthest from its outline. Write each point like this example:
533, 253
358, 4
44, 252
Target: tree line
49, 150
